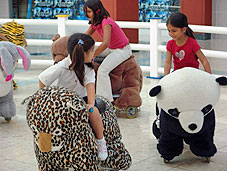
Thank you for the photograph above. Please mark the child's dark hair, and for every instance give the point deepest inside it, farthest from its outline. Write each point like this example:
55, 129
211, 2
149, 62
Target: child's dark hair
98, 9
180, 20
79, 43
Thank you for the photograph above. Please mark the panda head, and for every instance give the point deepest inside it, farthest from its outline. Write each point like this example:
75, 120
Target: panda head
188, 95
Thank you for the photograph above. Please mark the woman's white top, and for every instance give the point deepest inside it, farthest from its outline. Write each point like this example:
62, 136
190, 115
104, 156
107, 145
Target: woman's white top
67, 78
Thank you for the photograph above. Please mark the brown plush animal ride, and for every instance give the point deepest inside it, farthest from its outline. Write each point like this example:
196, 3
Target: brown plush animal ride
126, 79
59, 48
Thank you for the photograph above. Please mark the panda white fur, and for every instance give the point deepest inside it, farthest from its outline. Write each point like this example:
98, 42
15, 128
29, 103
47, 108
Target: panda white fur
188, 95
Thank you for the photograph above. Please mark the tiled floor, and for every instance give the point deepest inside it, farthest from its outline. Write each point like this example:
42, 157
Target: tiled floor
16, 147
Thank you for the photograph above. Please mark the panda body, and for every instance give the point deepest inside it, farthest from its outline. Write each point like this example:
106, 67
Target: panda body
186, 100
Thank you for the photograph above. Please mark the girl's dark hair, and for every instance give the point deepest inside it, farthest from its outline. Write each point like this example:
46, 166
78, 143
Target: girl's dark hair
76, 51
98, 9
180, 20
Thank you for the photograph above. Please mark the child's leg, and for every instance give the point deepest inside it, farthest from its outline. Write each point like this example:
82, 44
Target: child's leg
103, 85
97, 126
96, 123
105, 53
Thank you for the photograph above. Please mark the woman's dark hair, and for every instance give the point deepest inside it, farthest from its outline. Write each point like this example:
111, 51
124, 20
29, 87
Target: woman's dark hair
98, 9
79, 43
180, 20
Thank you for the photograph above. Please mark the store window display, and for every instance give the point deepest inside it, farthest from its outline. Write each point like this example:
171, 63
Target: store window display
157, 9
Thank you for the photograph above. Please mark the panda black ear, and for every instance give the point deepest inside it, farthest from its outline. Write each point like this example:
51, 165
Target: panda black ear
222, 80
154, 91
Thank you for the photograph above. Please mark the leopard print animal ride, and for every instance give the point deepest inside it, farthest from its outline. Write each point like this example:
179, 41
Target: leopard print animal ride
63, 137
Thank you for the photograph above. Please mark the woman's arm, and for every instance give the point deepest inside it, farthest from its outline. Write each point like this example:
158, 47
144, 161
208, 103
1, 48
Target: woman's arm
90, 87
90, 31
204, 61
168, 63
106, 40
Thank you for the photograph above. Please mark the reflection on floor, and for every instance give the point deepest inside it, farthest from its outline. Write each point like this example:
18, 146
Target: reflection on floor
16, 141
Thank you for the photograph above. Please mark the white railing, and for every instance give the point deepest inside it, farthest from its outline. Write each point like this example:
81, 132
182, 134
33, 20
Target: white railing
154, 47
62, 23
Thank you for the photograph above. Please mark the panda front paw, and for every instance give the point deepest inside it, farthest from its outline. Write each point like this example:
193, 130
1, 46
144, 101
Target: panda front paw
166, 161
206, 159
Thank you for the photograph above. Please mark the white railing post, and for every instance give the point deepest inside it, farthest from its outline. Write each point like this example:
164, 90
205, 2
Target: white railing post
61, 24
155, 41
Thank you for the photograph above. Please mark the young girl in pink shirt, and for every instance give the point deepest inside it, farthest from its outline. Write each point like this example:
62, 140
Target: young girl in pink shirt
183, 47
185, 51
114, 47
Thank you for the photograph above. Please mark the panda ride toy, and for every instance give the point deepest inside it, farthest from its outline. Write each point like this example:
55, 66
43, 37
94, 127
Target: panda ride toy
186, 99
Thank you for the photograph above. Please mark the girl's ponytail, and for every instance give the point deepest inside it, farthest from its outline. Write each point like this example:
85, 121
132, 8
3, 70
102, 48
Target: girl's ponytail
190, 33
78, 62
77, 45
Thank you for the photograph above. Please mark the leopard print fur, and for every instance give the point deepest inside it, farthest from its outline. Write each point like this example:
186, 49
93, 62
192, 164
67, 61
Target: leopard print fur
118, 156
62, 114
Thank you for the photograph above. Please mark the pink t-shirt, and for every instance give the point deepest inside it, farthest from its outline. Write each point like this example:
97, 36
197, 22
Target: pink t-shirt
184, 56
118, 38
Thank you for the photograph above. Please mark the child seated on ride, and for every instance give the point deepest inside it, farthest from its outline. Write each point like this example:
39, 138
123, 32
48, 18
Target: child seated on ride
77, 74
115, 45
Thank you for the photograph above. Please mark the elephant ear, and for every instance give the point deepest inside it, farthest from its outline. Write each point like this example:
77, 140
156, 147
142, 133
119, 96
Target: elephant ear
26, 59
6, 63
155, 91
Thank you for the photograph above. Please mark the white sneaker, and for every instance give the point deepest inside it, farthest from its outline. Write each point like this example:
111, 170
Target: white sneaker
102, 150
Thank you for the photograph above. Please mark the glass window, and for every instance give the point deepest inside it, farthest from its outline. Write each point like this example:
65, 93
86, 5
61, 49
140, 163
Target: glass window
157, 9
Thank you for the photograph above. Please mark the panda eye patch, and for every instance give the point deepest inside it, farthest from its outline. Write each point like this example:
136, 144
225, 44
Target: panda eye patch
207, 109
174, 112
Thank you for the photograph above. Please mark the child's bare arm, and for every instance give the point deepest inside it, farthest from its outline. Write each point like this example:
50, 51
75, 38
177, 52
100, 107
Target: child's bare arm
168, 63
90, 31
90, 94
106, 40
204, 61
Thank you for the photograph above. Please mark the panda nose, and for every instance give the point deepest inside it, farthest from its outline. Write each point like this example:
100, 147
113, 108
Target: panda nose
192, 127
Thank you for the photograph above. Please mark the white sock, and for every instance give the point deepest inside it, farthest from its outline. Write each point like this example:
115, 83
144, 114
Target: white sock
100, 140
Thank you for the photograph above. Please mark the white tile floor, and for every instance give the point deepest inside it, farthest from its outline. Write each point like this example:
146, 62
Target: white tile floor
16, 147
